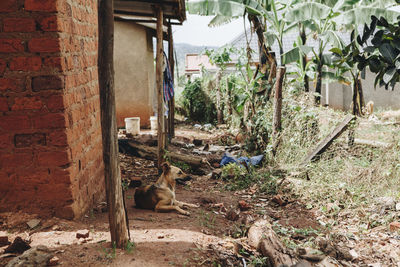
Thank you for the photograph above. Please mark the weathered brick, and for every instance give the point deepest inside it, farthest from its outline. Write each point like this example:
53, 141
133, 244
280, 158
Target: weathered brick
41, 5
19, 25
8, 5
49, 24
44, 45
3, 65
5, 141
11, 45
27, 103
15, 123
55, 103
15, 161
57, 63
54, 82
8, 84
58, 138
49, 121
28, 140
53, 158
60, 176
3, 104
26, 63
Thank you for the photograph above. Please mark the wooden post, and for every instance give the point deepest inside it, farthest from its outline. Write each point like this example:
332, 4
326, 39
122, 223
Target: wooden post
116, 211
277, 126
172, 66
159, 85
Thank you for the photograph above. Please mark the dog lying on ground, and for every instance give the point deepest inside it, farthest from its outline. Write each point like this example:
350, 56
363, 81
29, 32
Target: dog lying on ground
160, 196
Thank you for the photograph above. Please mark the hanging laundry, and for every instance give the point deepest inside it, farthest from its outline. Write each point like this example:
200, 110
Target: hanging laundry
168, 84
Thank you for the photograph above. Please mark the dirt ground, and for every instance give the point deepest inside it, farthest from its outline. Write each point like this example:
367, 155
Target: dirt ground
160, 239
208, 237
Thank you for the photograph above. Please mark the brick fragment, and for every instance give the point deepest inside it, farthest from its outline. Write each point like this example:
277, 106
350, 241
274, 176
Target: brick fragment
27, 103
47, 83
11, 45
19, 25
28, 140
44, 45
26, 63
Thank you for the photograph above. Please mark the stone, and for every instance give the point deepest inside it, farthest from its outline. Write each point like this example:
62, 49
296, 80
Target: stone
82, 234
17, 246
53, 261
311, 254
394, 226
35, 257
33, 223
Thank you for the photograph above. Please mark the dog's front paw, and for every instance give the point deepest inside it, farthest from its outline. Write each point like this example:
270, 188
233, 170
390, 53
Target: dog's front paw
186, 213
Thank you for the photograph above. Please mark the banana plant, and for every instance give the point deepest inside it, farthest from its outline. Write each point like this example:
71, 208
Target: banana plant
318, 19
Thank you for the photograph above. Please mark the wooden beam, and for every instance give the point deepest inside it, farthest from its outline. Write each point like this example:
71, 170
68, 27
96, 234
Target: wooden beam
324, 144
171, 124
116, 209
159, 85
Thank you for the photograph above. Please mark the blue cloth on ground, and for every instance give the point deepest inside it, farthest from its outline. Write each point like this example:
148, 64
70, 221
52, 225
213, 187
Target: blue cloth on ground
228, 158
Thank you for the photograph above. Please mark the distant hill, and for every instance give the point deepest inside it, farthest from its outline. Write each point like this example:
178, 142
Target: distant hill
182, 49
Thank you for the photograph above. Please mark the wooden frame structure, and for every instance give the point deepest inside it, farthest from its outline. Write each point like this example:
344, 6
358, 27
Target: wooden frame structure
163, 13
107, 10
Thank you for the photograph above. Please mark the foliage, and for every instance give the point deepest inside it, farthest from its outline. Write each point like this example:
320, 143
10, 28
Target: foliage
381, 52
197, 103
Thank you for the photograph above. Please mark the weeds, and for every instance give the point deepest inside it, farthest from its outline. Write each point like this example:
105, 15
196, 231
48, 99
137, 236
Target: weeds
110, 253
130, 246
207, 219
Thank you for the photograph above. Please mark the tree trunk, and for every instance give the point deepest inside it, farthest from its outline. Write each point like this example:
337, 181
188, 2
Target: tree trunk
358, 97
318, 87
219, 104
116, 211
277, 125
267, 58
304, 41
159, 86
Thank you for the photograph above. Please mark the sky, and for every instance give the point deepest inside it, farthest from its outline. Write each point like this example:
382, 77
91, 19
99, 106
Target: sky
195, 31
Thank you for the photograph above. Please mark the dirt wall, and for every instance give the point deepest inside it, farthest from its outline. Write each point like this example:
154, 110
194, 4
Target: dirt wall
134, 72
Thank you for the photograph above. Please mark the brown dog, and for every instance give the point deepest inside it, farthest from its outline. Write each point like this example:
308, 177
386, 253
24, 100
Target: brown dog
160, 196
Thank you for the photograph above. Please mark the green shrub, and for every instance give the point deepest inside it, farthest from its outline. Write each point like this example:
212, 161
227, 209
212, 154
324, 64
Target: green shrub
198, 104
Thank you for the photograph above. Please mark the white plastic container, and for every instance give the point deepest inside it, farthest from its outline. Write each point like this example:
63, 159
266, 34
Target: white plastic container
132, 125
153, 123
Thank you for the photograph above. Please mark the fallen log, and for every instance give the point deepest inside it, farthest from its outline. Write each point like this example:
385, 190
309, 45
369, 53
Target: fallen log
324, 144
150, 153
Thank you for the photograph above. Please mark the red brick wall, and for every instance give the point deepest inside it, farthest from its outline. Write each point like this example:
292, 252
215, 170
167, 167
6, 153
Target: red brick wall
50, 137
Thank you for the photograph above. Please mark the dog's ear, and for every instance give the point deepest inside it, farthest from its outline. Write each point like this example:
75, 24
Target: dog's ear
165, 167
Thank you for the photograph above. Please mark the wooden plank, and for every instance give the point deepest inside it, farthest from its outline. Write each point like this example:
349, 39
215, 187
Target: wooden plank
172, 66
159, 85
324, 144
116, 211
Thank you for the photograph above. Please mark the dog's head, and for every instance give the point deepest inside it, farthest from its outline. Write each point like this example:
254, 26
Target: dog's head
174, 172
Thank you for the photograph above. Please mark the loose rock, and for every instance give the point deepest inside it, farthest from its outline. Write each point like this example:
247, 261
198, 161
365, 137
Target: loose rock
82, 234
243, 205
53, 261
17, 246
33, 223
35, 257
